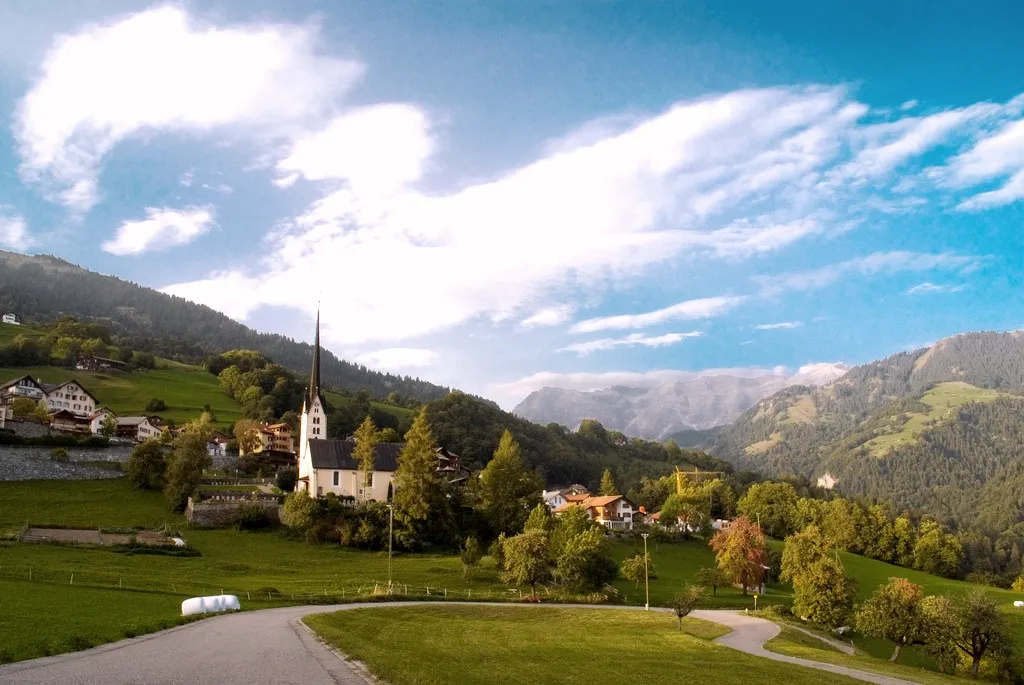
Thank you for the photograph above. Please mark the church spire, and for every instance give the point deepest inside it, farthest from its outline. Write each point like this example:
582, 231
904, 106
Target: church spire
313, 390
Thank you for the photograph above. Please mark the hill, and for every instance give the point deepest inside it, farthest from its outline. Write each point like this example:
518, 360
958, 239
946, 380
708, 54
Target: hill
43, 288
938, 429
667, 409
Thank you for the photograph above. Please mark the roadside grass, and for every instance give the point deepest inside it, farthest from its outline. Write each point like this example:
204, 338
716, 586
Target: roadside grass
185, 390
796, 644
519, 645
942, 401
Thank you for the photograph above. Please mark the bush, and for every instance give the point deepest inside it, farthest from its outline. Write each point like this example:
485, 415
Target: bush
59, 455
251, 516
286, 478
156, 404
147, 465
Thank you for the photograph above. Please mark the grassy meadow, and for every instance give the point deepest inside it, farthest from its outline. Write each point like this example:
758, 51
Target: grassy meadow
471, 644
9, 332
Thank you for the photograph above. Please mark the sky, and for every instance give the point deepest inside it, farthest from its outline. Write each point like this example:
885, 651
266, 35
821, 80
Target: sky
501, 196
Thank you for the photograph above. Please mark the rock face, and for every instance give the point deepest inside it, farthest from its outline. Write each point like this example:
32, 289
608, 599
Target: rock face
658, 412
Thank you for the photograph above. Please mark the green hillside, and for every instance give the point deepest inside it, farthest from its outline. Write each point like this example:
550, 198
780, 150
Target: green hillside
9, 332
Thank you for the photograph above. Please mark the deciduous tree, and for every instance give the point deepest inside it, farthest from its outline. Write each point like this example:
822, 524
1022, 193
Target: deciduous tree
775, 503
823, 594
365, 453
526, 560
470, 556
685, 602
540, 519
712, 578
146, 466
634, 569
185, 467
740, 552
585, 563
247, 435
894, 613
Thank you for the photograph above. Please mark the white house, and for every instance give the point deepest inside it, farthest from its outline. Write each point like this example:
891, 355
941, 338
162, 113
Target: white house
70, 396
97, 418
553, 499
23, 386
12, 318
327, 465
611, 511
138, 428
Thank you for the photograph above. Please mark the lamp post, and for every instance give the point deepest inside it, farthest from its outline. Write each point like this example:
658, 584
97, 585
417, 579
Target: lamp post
647, 587
391, 528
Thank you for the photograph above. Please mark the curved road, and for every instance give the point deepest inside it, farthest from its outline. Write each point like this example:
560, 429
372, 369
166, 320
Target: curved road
273, 646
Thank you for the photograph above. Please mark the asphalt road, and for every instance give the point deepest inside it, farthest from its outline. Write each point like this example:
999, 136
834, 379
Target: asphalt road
273, 647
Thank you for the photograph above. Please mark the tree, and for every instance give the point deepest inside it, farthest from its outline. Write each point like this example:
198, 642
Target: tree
540, 519
1018, 584
390, 435
23, 408
637, 568
364, 453
417, 485
936, 552
980, 626
286, 478
188, 461
823, 594
41, 414
299, 511
686, 601
711, 577
740, 552
802, 550
774, 503
608, 483
585, 563
108, 428
156, 404
526, 560
508, 490
570, 523
470, 555
146, 466
247, 434
894, 613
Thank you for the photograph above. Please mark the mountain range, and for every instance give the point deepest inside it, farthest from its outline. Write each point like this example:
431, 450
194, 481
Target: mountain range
671, 408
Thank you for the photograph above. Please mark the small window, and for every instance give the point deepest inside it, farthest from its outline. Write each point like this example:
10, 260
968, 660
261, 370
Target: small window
335, 477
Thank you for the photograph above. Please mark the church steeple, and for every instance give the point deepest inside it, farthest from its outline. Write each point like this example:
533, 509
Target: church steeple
313, 389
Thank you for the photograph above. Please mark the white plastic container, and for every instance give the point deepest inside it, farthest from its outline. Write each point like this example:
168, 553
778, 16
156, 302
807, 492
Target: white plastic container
205, 605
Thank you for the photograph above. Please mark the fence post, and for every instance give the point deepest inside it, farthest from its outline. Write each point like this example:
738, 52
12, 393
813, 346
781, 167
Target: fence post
72, 579
446, 593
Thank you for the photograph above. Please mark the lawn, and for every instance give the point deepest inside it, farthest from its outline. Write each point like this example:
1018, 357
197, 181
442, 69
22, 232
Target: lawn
185, 390
437, 645
942, 401
794, 643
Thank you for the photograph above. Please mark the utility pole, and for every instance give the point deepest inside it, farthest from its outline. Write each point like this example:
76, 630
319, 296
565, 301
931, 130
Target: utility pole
647, 587
391, 529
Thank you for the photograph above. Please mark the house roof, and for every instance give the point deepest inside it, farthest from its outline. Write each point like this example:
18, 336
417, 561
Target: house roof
589, 502
107, 360
337, 454
576, 498
102, 410
50, 387
131, 420
64, 413
21, 378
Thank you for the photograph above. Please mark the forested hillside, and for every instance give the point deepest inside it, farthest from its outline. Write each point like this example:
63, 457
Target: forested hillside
938, 430
43, 288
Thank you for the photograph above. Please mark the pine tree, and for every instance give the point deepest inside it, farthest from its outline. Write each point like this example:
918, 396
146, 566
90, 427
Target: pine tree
508, 490
417, 485
608, 483
367, 438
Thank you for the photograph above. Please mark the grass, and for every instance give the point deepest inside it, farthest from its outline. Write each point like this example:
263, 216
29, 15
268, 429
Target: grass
404, 416
9, 331
801, 411
942, 401
794, 643
467, 645
185, 390
764, 445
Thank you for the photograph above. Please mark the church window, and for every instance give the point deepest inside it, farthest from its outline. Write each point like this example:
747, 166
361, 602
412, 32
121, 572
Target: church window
335, 477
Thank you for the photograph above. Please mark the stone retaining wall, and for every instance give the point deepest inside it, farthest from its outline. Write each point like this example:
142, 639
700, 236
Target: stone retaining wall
18, 462
220, 513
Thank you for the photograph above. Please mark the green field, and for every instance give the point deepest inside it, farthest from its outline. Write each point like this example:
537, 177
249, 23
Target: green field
9, 332
184, 388
942, 401
467, 645
404, 416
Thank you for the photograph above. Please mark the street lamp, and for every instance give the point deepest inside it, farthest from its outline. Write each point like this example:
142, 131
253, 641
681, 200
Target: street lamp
391, 528
647, 587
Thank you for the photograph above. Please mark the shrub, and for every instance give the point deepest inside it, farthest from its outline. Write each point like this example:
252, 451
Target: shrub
156, 404
251, 516
286, 478
147, 465
59, 455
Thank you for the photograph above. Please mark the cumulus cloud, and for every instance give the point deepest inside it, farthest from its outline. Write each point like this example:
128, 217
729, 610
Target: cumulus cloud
398, 358
867, 267
690, 309
14, 233
928, 287
777, 326
549, 316
162, 228
585, 348
164, 70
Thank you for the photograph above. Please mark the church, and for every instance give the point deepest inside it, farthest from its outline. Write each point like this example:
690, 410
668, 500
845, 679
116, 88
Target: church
327, 465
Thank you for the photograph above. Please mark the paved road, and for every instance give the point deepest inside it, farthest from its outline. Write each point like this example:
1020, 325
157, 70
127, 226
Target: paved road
274, 647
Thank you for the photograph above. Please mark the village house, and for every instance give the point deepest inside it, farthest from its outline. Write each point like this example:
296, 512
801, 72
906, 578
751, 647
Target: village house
138, 428
277, 442
97, 418
69, 422
559, 496
24, 386
611, 511
12, 318
90, 363
217, 445
70, 396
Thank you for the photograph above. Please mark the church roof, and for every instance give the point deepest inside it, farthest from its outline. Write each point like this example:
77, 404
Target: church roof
337, 454
313, 389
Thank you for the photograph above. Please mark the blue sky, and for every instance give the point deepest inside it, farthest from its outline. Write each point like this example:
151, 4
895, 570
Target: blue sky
501, 196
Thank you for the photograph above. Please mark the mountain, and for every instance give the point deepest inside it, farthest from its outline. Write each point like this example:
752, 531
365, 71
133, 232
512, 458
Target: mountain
658, 412
43, 288
939, 429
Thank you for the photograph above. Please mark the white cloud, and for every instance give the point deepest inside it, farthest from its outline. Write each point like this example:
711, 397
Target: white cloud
585, 348
871, 265
14, 233
163, 70
908, 105
161, 229
780, 325
928, 287
187, 179
549, 316
398, 358
688, 310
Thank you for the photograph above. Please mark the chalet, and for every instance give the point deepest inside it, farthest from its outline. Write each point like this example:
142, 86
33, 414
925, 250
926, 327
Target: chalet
12, 318
277, 443
24, 386
559, 496
90, 363
70, 395
450, 466
611, 511
138, 428
69, 422
217, 445
98, 417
